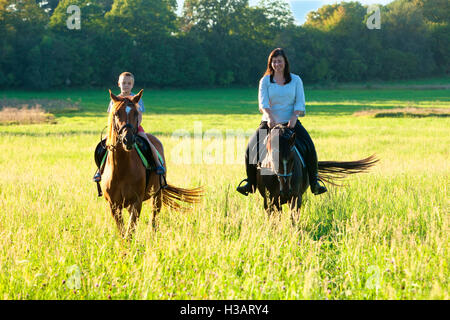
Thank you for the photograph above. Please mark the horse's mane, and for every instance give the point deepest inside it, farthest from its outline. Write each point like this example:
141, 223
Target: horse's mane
112, 134
281, 130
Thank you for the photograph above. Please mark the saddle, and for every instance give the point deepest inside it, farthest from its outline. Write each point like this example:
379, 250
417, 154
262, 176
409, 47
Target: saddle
143, 150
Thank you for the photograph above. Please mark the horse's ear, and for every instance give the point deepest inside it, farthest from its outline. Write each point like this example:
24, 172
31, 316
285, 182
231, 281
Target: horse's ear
113, 96
137, 97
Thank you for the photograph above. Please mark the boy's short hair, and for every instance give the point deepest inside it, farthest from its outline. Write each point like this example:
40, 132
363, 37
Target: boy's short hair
126, 74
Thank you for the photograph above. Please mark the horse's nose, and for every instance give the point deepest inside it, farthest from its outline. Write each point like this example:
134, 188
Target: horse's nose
128, 142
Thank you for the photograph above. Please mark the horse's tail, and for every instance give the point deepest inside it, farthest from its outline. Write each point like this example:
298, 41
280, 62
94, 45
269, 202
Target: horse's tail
171, 196
335, 170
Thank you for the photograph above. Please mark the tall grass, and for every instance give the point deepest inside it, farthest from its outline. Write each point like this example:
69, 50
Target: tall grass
382, 236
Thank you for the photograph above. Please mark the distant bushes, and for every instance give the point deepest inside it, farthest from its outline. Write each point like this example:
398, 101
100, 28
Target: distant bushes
25, 116
216, 42
19, 111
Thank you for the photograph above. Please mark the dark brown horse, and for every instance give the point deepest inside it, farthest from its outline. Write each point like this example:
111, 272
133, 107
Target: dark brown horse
124, 177
283, 177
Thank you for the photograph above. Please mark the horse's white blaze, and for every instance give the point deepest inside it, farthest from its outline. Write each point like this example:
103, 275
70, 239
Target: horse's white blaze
128, 109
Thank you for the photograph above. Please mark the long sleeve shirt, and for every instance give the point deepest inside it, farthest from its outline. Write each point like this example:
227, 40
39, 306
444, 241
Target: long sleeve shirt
281, 100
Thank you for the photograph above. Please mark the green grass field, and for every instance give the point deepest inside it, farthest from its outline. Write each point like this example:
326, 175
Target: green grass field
384, 235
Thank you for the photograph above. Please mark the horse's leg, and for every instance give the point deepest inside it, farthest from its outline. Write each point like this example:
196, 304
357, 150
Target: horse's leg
157, 204
295, 205
277, 206
116, 212
135, 211
272, 205
268, 206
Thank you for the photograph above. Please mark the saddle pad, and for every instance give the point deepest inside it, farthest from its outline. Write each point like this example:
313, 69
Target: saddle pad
145, 153
100, 153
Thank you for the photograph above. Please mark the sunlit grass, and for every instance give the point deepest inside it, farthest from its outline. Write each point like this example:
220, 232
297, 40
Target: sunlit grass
384, 235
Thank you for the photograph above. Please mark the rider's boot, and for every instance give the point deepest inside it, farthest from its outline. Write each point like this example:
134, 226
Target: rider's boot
247, 188
250, 186
97, 177
316, 188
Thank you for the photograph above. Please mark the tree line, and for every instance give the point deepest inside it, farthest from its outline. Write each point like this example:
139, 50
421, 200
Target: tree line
215, 42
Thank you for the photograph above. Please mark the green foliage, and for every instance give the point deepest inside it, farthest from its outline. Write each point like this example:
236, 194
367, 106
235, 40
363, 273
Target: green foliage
278, 13
216, 42
145, 20
440, 40
22, 27
220, 16
92, 15
437, 11
48, 5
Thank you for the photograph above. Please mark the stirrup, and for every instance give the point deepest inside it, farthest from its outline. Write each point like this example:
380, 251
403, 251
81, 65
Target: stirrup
240, 189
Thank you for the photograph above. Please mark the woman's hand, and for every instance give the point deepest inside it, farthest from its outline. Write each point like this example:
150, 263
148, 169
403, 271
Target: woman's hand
271, 122
292, 121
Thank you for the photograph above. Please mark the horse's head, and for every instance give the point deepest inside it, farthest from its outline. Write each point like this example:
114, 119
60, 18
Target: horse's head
123, 121
281, 142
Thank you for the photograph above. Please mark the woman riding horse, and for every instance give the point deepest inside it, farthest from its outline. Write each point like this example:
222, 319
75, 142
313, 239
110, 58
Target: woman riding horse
281, 101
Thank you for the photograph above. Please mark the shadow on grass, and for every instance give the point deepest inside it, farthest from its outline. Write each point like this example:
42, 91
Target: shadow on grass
239, 101
318, 110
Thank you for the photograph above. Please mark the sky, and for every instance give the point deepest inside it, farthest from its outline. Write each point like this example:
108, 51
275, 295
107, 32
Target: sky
300, 8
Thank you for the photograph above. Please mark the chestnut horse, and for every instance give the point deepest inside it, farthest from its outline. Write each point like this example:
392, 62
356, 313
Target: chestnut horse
124, 177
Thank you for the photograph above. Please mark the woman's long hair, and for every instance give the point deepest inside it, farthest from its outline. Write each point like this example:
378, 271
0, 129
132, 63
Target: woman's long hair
269, 71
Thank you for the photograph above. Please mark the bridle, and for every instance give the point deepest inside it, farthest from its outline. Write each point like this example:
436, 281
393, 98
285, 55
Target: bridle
127, 125
284, 175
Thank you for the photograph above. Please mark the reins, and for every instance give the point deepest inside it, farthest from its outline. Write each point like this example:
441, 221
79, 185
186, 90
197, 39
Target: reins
282, 175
